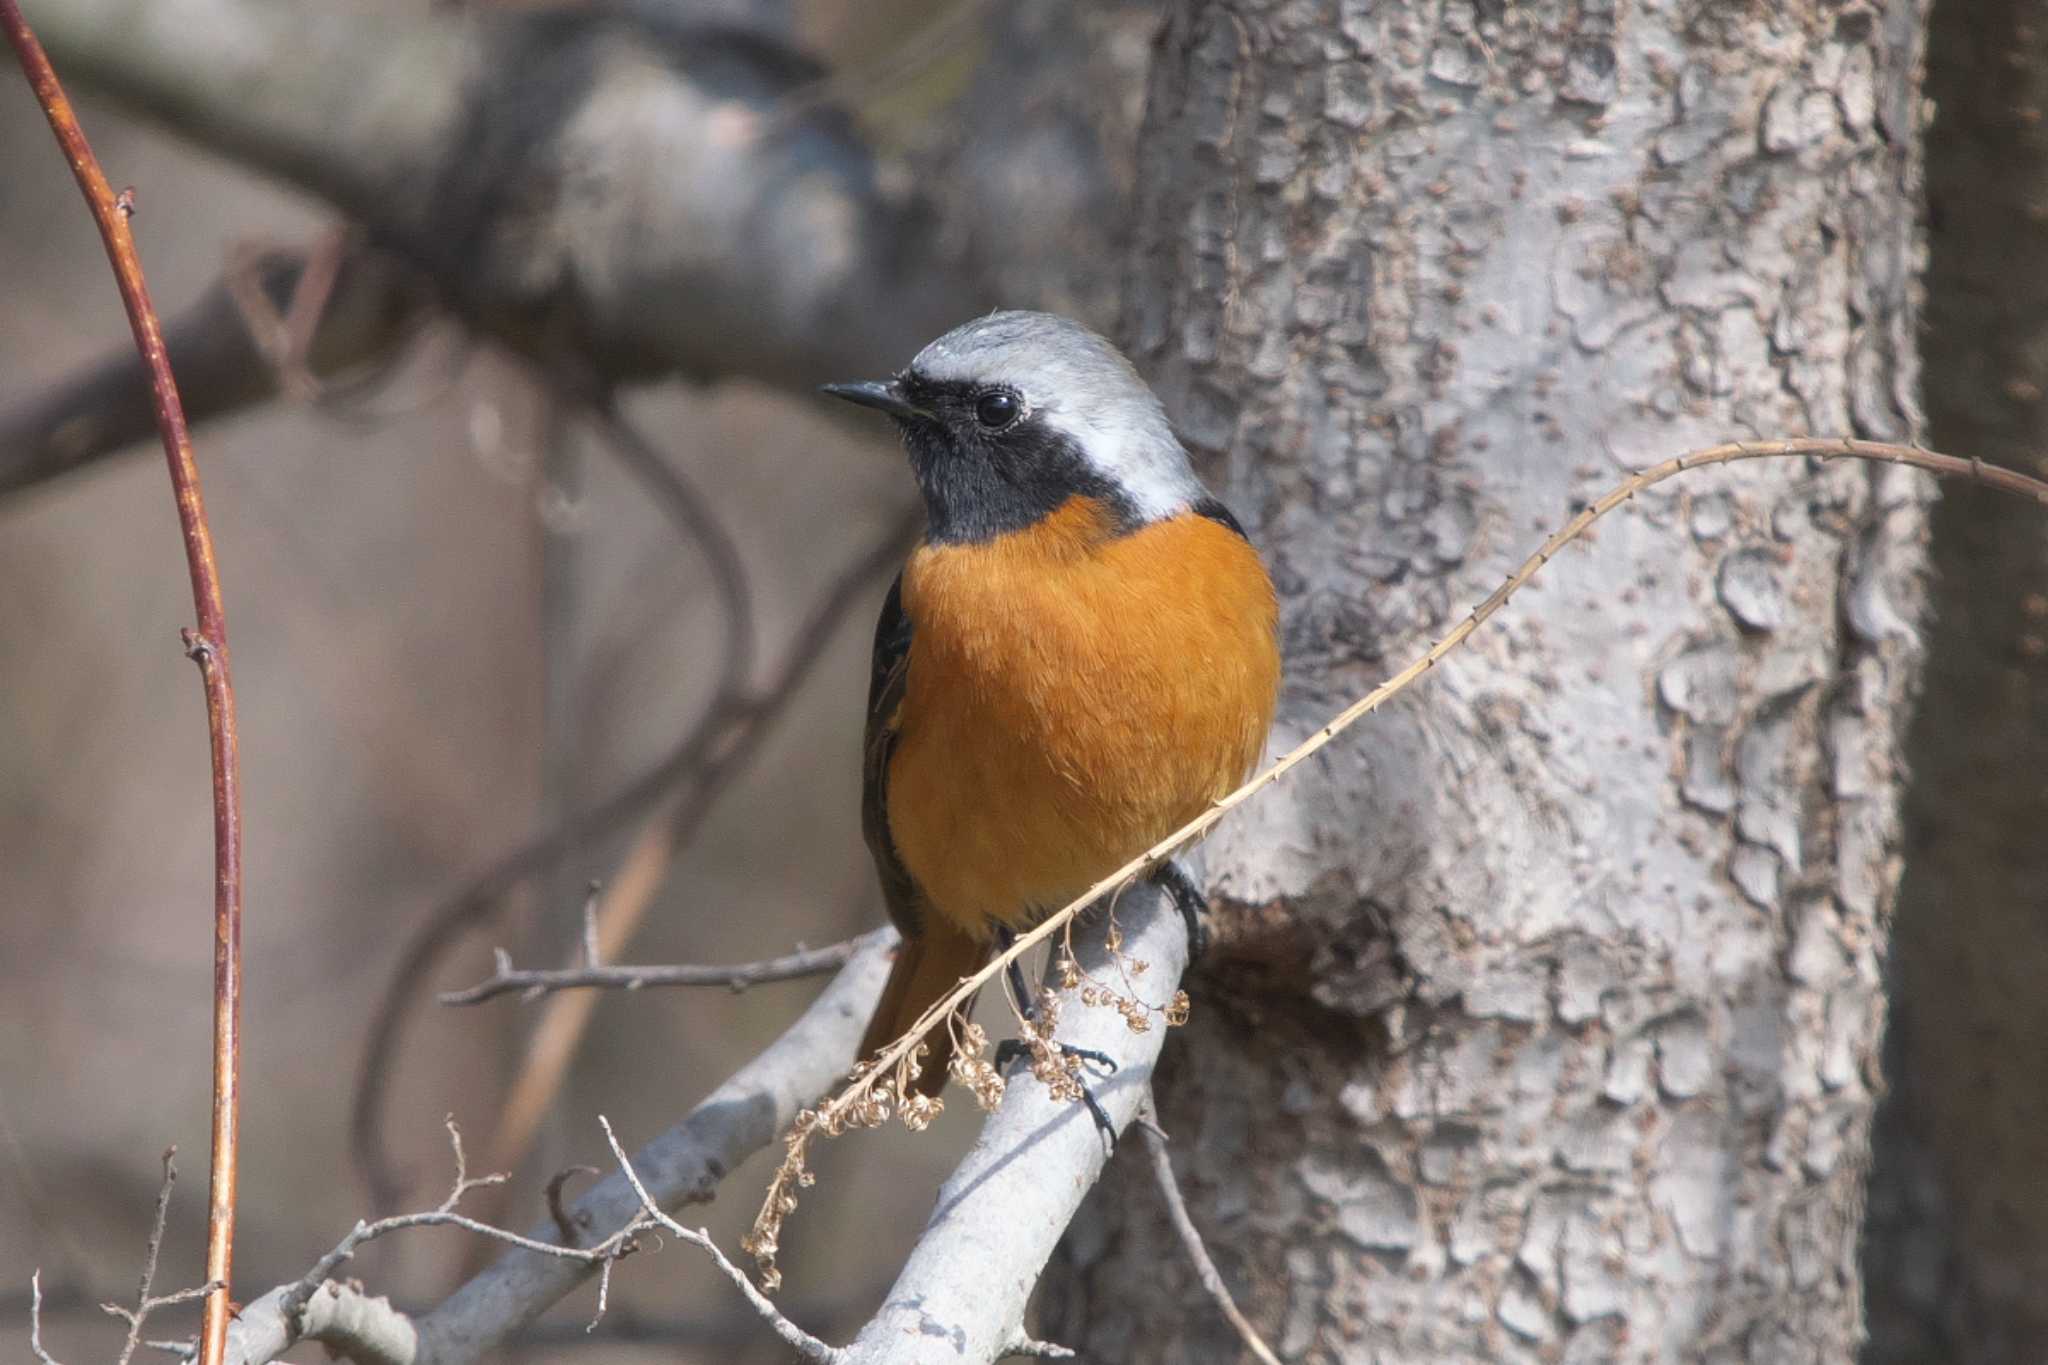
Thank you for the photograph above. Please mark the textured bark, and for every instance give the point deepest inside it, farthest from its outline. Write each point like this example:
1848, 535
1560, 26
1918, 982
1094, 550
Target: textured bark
1958, 1245
1549, 1029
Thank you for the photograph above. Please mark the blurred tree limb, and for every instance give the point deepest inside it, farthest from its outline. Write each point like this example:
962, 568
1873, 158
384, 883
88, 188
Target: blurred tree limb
635, 190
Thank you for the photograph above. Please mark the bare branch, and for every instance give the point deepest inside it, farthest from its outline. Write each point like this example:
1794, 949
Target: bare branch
738, 977
802, 1342
1191, 1239
35, 1320
506, 152
1004, 1209
684, 1164
144, 1304
349, 1322
294, 1298
856, 1094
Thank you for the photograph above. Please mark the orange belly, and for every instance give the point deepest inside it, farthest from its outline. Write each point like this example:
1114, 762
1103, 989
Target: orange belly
1073, 696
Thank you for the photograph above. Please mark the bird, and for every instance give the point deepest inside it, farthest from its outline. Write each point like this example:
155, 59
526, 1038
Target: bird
1080, 655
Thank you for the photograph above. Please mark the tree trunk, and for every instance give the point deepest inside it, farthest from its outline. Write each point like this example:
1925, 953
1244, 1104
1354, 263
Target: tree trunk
1548, 1029
1958, 1246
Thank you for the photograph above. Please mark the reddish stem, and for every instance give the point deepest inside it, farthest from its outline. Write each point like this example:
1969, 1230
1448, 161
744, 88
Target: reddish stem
208, 646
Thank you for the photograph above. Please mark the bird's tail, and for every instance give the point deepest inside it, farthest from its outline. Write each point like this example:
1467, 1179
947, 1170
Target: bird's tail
928, 965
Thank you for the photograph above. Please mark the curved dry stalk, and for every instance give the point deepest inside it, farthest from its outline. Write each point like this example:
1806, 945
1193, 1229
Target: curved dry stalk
806, 1346
832, 1116
208, 646
1191, 1236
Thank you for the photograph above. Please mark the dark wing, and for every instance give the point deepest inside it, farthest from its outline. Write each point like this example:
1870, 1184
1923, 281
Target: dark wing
885, 703
1214, 510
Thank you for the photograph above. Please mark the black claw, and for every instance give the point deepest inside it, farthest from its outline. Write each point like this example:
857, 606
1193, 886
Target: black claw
1010, 1049
1187, 898
1101, 1117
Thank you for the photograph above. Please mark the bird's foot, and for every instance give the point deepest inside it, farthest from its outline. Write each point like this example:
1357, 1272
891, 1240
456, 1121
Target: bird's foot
1187, 898
1014, 1049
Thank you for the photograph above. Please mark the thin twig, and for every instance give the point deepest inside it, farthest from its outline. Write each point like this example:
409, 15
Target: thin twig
565, 1222
476, 904
803, 1343
146, 1302
694, 757
149, 1260
1191, 1237
208, 646
612, 1248
738, 977
832, 1114
285, 339
551, 1045
593, 949
35, 1319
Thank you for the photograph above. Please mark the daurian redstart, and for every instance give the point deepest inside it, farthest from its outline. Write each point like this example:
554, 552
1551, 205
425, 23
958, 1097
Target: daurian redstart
1079, 657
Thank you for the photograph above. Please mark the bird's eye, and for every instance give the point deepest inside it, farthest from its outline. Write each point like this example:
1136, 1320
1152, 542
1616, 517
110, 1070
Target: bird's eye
995, 409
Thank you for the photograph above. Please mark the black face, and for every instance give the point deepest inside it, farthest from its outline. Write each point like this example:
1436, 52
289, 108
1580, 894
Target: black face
986, 466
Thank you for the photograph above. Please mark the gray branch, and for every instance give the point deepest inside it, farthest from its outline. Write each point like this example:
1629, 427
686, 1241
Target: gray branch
960, 1299
350, 1323
681, 1166
644, 196
961, 1296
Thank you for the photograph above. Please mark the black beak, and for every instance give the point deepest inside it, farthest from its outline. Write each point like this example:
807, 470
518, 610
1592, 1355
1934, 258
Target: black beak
884, 397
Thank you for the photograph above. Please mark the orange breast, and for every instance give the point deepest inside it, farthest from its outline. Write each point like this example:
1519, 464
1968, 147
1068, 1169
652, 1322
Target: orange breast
1073, 696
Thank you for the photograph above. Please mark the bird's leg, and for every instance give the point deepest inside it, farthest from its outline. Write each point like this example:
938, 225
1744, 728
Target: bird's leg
1010, 1049
1187, 898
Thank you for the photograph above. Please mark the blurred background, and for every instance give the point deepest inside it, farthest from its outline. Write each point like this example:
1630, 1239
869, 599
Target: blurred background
457, 620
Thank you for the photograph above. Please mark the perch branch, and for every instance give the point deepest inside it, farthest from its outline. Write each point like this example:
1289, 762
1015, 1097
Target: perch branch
1005, 1207
738, 977
836, 1113
208, 646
